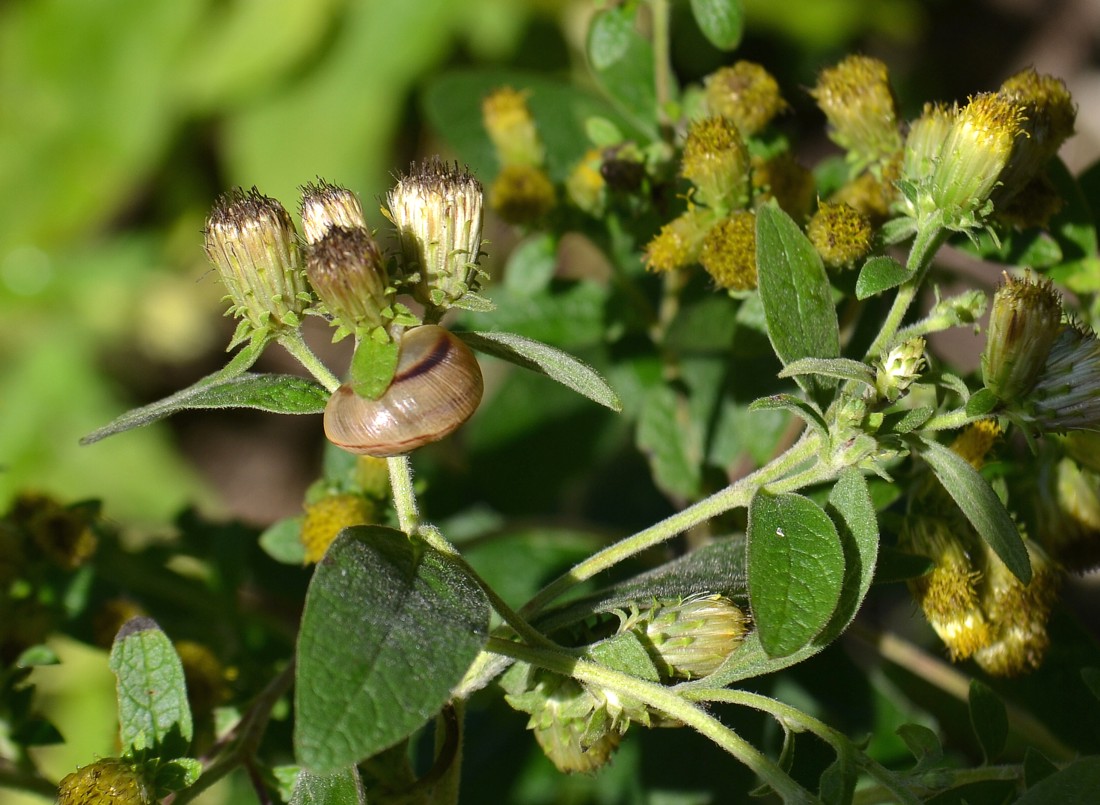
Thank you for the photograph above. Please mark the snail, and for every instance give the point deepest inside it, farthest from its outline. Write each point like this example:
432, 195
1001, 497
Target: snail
436, 387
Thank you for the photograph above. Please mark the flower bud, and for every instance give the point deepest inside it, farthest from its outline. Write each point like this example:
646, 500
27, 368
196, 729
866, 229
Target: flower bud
109, 781
570, 723
924, 144
858, 102
716, 161
688, 638
974, 153
511, 128
1017, 613
325, 206
729, 252
522, 194
346, 270
327, 517
897, 371
745, 94
1049, 116
250, 239
437, 210
1067, 393
1023, 325
948, 594
840, 234
680, 241
586, 186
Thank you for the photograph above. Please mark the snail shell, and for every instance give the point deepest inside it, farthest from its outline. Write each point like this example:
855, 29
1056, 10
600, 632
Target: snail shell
436, 387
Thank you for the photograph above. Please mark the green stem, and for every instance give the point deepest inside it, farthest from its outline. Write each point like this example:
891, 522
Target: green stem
733, 496
662, 65
662, 699
927, 242
404, 497
242, 742
293, 343
784, 713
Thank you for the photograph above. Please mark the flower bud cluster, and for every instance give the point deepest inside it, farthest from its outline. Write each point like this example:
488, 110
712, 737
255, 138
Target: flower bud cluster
272, 277
522, 193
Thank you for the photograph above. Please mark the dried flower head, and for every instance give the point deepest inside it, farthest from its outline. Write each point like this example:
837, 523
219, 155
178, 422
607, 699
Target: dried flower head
745, 94
841, 234
437, 209
325, 206
729, 252
251, 241
857, 100
716, 161
346, 270
109, 781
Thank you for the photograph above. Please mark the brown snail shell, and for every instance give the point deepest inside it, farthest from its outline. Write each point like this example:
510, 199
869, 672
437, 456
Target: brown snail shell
436, 387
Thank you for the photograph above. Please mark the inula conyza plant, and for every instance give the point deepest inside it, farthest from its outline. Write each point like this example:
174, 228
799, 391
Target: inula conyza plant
759, 342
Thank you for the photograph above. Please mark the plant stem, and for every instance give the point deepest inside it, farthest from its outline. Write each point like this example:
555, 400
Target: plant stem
784, 713
293, 343
927, 242
662, 65
404, 498
662, 699
733, 496
241, 742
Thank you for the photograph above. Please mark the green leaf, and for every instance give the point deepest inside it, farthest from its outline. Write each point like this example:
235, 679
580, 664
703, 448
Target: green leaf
532, 264
838, 781
36, 655
671, 442
372, 366
390, 626
795, 570
279, 394
282, 541
546, 360
989, 719
853, 514
153, 712
799, 407
1091, 677
624, 652
843, 368
721, 21
340, 787
795, 291
622, 60
880, 274
923, 744
981, 402
1036, 767
176, 775
1076, 784
908, 420
977, 500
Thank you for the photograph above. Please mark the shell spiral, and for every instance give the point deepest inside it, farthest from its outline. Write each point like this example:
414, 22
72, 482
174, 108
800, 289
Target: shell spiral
437, 387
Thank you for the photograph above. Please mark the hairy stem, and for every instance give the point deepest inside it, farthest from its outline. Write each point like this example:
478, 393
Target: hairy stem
662, 699
733, 496
293, 343
240, 744
404, 497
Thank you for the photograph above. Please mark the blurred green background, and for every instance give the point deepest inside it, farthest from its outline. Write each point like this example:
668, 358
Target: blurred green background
121, 121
